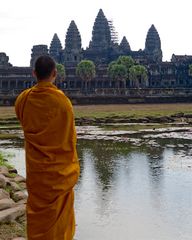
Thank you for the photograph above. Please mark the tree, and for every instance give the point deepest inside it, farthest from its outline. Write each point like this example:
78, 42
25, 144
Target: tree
190, 70
138, 76
117, 72
86, 71
60, 73
127, 61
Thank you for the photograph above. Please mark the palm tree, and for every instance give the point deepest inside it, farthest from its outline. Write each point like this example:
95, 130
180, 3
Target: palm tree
127, 61
86, 71
190, 70
60, 73
118, 72
138, 76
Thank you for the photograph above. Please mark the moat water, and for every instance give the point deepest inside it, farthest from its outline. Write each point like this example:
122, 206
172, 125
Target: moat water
129, 192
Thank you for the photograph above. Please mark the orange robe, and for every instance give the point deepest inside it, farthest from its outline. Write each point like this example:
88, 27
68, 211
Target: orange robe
52, 166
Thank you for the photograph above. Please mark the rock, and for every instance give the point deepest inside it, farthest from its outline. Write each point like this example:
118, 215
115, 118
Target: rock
23, 185
9, 215
4, 170
178, 115
188, 115
14, 186
23, 201
6, 203
19, 179
3, 181
13, 170
19, 238
19, 196
4, 194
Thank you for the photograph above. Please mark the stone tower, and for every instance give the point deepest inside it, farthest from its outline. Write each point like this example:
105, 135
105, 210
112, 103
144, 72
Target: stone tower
101, 35
100, 45
4, 60
37, 51
124, 46
55, 49
153, 45
72, 51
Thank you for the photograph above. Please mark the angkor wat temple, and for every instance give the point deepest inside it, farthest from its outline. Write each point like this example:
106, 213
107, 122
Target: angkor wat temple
164, 78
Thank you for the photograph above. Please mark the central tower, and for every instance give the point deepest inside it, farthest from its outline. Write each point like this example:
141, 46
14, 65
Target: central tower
100, 44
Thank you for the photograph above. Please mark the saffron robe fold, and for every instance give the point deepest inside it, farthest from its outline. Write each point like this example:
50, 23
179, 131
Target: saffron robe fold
52, 166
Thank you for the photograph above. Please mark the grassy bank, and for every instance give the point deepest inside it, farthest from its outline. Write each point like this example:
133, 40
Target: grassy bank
3, 161
128, 110
12, 230
132, 110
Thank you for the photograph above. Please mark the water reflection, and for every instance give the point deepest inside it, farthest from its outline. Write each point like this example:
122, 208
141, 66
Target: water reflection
103, 155
127, 192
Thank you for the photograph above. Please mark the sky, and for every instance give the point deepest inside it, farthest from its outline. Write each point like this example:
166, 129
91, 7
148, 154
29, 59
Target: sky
24, 23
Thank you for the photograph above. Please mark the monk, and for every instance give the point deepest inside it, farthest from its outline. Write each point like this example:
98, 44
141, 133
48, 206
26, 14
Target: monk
52, 166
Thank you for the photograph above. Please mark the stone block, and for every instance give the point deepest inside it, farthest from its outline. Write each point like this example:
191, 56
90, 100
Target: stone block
4, 194
14, 186
19, 179
23, 185
19, 238
4, 170
3, 181
6, 203
11, 214
23, 201
19, 196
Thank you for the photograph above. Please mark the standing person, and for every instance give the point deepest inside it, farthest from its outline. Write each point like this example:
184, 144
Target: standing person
52, 166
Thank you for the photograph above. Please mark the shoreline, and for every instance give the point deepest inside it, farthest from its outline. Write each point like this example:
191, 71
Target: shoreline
13, 199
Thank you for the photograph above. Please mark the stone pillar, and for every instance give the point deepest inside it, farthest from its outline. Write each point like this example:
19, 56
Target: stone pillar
8, 84
16, 83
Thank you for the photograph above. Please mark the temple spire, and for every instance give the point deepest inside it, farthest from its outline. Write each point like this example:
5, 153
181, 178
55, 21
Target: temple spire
55, 49
73, 50
124, 45
153, 45
73, 38
101, 35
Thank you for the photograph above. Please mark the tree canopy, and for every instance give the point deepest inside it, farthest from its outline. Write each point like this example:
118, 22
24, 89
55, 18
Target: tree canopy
138, 75
60, 70
127, 61
117, 71
190, 70
86, 70
125, 68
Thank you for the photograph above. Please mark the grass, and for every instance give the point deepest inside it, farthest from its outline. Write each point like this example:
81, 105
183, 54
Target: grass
12, 175
8, 136
132, 110
7, 113
11, 230
3, 162
120, 110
